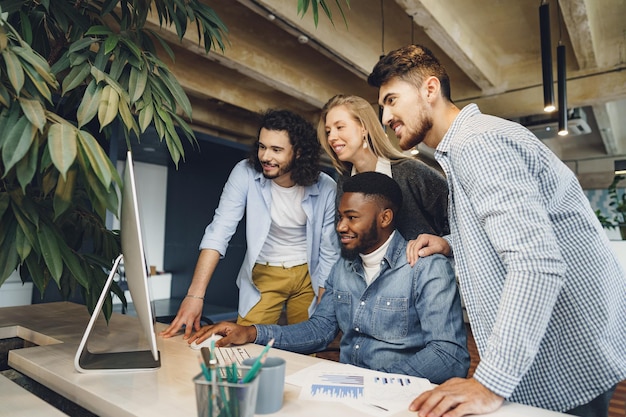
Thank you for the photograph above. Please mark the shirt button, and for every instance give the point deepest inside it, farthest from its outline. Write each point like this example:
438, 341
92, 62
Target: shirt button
388, 303
357, 346
338, 296
362, 303
356, 329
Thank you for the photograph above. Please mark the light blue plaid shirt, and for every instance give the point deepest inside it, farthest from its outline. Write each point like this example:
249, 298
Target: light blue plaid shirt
545, 294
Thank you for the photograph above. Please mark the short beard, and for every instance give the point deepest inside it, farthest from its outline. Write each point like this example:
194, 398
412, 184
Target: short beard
281, 171
419, 136
368, 239
349, 254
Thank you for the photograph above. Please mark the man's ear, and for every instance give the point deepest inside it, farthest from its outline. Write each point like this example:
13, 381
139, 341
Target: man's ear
433, 87
386, 218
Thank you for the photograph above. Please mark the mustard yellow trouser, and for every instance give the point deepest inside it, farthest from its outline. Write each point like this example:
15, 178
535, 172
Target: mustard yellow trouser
279, 287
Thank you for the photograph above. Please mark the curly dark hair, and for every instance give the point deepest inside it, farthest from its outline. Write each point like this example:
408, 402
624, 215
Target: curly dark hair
411, 63
303, 138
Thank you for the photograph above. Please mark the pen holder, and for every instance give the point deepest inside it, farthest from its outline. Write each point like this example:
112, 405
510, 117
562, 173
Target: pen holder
231, 399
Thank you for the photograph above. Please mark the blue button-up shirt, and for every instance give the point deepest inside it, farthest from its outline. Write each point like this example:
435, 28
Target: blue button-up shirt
407, 321
248, 191
545, 295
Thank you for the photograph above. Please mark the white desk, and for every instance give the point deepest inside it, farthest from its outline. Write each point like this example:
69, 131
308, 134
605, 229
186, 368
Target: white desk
58, 327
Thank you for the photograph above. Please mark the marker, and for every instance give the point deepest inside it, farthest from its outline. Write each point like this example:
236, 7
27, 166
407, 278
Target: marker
258, 363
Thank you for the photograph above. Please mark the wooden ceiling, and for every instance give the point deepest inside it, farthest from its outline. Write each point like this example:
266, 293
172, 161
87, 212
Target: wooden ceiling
276, 59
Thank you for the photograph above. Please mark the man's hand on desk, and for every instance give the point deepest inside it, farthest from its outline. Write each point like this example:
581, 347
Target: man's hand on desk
232, 334
455, 398
189, 315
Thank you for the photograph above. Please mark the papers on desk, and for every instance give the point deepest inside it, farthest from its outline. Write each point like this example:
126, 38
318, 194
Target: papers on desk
374, 393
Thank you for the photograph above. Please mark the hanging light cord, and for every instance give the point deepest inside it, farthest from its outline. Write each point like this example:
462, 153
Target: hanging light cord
382, 18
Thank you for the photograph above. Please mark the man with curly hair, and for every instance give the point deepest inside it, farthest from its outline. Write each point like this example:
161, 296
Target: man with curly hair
291, 242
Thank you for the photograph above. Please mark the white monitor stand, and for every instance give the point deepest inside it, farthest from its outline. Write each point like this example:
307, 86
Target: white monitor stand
137, 279
86, 361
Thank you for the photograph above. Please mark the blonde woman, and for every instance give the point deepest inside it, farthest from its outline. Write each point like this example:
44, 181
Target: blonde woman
351, 134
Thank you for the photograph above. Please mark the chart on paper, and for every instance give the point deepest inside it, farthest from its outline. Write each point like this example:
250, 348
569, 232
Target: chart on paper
338, 387
375, 393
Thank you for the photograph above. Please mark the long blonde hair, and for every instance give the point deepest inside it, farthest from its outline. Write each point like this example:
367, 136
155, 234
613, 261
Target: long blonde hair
363, 113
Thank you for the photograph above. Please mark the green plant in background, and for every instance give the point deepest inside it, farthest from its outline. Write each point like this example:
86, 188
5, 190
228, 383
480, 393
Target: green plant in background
73, 75
618, 203
604, 221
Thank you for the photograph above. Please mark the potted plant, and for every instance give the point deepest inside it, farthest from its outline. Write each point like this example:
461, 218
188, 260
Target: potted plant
73, 74
618, 203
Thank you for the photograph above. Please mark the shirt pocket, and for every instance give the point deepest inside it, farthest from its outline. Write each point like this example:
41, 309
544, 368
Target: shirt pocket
343, 310
390, 318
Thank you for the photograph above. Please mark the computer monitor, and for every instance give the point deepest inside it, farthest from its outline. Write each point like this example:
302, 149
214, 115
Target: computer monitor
136, 271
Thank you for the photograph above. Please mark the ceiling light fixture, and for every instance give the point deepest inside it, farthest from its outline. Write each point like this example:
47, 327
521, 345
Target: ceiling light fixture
561, 74
546, 57
562, 91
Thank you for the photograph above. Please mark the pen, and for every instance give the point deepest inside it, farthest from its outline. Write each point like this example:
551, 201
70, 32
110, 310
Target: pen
256, 366
205, 370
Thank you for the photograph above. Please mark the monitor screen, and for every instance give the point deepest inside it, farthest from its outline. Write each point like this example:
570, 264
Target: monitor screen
136, 272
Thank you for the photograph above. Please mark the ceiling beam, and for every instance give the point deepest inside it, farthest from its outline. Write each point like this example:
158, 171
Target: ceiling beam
459, 43
616, 111
578, 19
265, 54
603, 120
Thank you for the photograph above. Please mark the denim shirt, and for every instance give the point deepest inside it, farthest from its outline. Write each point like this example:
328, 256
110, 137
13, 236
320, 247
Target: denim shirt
248, 191
408, 321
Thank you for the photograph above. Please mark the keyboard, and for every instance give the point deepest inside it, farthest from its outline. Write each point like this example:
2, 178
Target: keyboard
227, 355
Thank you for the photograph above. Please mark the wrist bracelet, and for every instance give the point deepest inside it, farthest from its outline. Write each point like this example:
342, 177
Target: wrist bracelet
194, 296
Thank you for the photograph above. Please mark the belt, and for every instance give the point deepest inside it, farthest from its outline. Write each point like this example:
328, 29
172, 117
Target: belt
285, 264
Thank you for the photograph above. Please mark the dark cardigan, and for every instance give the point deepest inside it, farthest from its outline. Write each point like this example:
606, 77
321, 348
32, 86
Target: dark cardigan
425, 198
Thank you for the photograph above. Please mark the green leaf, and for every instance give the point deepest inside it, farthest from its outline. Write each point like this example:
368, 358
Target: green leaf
108, 106
62, 146
38, 63
17, 143
36, 273
15, 71
27, 166
24, 221
61, 65
4, 202
127, 117
81, 44
137, 82
166, 47
73, 264
100, 163
63, 193
145, 116
110, 43
39, 83
133, 48
88, 107
50, 250
34, 111
75, 78
22, 245
8, 119
9, 257
24, 208
5, 97
99, 30
176, 90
